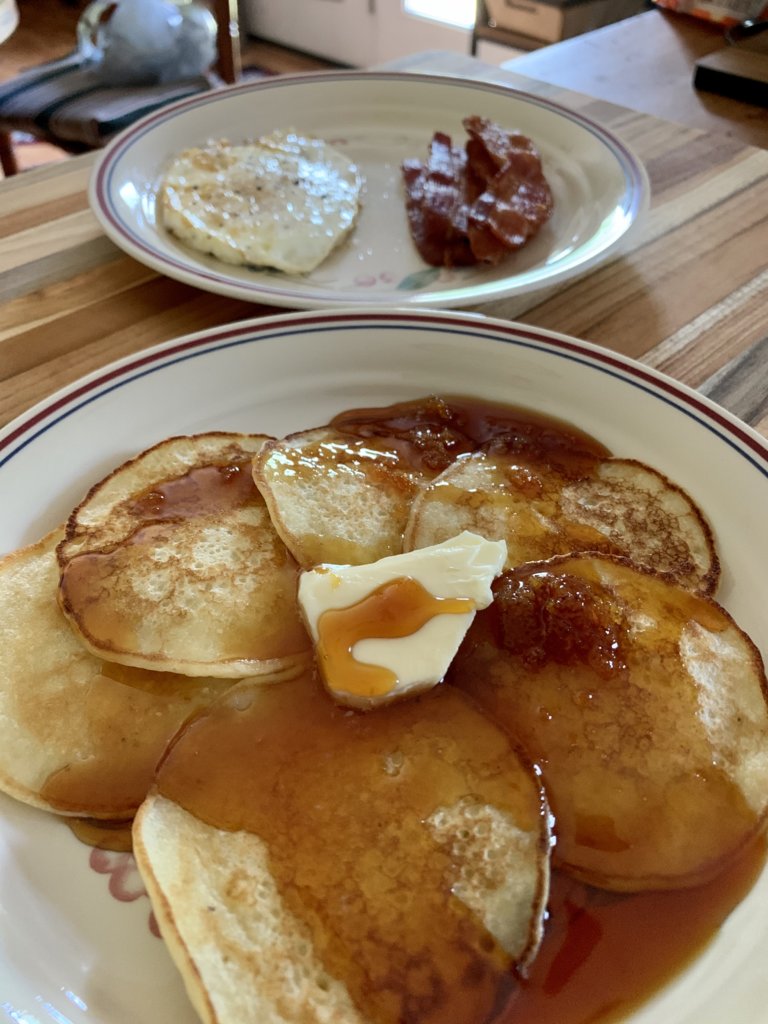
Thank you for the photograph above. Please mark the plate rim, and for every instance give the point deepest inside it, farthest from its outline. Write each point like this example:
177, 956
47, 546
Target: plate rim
634, 203
701, 407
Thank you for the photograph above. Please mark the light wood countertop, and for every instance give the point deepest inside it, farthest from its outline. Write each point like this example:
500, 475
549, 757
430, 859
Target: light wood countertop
688, 296
647, 63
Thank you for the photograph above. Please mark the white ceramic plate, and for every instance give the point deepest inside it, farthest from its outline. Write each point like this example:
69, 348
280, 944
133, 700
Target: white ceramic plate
378, 120
75, 945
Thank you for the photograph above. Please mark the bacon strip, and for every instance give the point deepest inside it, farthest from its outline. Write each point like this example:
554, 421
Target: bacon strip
437, 213
477, 204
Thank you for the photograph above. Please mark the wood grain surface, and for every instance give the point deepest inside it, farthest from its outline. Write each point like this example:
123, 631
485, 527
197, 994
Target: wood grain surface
647, 63
689, 295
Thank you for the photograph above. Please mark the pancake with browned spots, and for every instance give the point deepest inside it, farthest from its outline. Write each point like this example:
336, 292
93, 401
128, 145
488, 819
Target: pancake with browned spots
78, 736
542, 508
310, 863
644, 705
337, 498
172, 563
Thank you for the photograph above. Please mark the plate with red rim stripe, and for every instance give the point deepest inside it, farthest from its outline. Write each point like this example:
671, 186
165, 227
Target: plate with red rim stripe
75, 941
377, 119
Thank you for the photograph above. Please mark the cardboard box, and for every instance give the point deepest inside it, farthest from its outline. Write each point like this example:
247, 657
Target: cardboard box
553, 20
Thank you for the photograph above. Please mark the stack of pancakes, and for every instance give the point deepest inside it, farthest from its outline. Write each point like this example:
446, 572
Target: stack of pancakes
308, 862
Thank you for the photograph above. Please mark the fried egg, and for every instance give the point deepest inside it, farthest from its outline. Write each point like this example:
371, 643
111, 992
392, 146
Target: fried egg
283, 201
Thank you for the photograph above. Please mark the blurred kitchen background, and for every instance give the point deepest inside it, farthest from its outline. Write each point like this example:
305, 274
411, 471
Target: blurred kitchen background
288, 36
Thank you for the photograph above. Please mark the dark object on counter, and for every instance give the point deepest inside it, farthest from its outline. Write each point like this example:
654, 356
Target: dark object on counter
739, 70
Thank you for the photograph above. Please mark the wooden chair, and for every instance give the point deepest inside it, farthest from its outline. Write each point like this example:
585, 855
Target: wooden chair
63, 103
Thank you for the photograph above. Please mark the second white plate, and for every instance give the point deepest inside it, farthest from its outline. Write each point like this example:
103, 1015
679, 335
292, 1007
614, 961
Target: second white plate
378, 120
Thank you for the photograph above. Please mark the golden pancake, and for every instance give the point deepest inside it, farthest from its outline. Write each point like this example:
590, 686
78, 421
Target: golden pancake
306, 862
336, 498
644, 705
542, 508
77, 735
171, 563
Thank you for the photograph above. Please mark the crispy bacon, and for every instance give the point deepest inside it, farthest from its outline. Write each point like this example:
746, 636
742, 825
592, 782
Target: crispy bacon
437, 212
479, 203
492, 146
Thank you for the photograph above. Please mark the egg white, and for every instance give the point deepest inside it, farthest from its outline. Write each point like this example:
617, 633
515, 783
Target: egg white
283, 201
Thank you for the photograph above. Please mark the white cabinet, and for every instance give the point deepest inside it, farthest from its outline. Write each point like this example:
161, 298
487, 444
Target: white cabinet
340, 30
355, 32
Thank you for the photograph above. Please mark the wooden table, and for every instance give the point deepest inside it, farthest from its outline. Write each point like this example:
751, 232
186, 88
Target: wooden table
647, 63
690, 296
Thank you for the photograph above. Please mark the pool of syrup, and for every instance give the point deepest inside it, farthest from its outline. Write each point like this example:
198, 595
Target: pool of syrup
604, 954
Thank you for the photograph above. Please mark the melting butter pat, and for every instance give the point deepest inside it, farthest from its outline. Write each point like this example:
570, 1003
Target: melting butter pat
392, 628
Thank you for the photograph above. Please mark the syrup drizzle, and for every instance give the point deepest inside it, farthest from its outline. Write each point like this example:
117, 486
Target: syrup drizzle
393, 610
